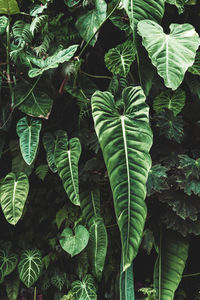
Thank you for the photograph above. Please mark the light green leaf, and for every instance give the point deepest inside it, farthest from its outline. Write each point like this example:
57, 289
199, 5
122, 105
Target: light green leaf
88, 23
126, 285
179, 4
195, 68
71, 3
125, 138
9, 7
3, 24
97, 246
51, 62
13, 193
8, 262
67, 155
119, 59
172, 54
170, 265
84, 289
37, 104
74, 244
12, 288
90, 204
28, 133
30, 267
168, 100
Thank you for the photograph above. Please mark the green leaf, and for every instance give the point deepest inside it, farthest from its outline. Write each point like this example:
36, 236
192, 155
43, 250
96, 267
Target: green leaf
41, 171
125, 139
61, 215
156, 181
170, 265
28, 133
172, 54
8, 262
71, 3
195, 68
9, 7
193, 83
118, 60
12, 288
13, 193
51, 62
67, 155
58, 280
3, 24
97, 246
88, 23
169, 100
37, 9
148, 241
189, 166
126, 284
37, 104
74, 244
84, 289
90, 204
49, 142
179, 4
30, 267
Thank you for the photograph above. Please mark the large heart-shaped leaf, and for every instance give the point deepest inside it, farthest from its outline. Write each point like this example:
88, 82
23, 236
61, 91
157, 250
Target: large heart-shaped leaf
119, 59
90, 204
97, 246
126, 284
13, 193
88, 23
67, 155
9, 7
8, 262
51, 62
125, 138
172, 54
3, 24
74, 243
170, 264
84, 289
30, 266
37, 104
28, 133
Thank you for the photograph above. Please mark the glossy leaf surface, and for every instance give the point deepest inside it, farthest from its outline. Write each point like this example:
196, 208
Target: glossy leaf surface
126, 284
84, 289
90, 204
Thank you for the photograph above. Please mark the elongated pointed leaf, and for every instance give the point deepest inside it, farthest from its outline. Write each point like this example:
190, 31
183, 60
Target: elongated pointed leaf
171, 262
97, 246
126, 286
84, 289
9, 7
14, 191
29, 138
172, 54
8, 262
90, 204
30, 267
125, 139
3, 24
67, 155
49, 145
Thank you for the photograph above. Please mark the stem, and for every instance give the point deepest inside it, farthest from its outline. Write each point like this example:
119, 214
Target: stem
190, 275
8, 61
160, 264
35, 293
108, 16
97, 76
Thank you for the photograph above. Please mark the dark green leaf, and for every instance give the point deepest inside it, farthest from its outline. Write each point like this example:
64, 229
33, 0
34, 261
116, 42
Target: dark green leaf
85, 289
126, 283
156, 181
195, 68
8, 262
58, 280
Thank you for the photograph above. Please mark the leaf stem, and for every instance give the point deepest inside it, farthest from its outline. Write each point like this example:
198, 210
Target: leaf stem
96, 76
35, 293
8, 62
190, 275
160, 264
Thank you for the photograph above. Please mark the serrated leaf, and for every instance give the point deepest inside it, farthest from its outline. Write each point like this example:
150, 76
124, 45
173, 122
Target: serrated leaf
28, 133
90, 204
156, 181
189, 166
41, 171
129, 138
74, 243
195, 68
51, 62
30, 267
172, 54
13, 194
126, 284
118, 60
172, 257
67, 153
88, 23
9, 7
58, 280
8, 262
97, 246
168, 100
3, 24
12, 288
84, 289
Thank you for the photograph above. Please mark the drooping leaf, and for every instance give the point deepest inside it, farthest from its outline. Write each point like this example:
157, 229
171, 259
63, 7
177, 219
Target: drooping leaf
156, 181
168, 100
148, 241
84, 289
90, 204
58, 279
13, 194
3, 24
129, 138
179, 4
61, 215
8, 262
9, 7
88, 23
74, 243
37, 104
51, 62
41, 171
170, 265
67, 153
12, 288
30, 267
97, 246
28, 133
126, 285
172, 54
37, 9
119, 59
195, 68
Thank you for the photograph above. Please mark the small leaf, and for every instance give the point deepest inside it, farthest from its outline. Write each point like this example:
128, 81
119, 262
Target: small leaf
85, 289
148, 241
8, 262
49, 142
74, 244
9, 7
61, 215
29, 138
90, 204
37, 9
126, 283
41, 171
71, 3
12, 288
30, 267
195, 68
179, 4
3, 24
13, 193
156, 181
58, 280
